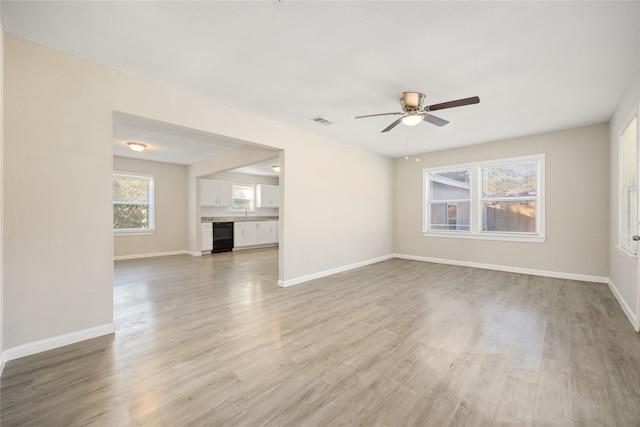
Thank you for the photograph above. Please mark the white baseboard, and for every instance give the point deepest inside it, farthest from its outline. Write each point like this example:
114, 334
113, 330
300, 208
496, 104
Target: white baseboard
533, 272
625, 307
302, 279
55, 342
153, 254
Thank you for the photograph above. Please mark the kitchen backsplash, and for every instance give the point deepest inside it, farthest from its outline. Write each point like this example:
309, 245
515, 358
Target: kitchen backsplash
210, 211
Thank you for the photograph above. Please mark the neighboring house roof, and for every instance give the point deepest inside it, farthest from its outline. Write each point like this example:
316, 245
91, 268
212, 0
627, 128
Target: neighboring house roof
450, 182
524, 191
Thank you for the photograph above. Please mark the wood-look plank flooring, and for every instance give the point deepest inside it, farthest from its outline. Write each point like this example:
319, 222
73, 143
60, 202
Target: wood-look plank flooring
213, 341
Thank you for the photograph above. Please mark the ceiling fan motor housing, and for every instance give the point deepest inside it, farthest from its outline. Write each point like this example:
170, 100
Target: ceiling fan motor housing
411, 101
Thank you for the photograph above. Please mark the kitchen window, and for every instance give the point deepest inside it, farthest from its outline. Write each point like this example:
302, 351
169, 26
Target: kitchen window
242, 197
133, 207
495, 200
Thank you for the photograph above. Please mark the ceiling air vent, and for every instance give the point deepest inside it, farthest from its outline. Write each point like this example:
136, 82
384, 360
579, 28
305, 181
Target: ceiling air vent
322, 121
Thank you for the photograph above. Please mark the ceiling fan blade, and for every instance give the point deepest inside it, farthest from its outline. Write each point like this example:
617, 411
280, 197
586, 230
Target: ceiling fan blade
381, 114
451, 104
392, 125
434, 120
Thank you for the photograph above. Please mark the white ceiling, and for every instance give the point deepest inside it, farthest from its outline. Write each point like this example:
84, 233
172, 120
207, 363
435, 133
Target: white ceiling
263, 168
536, 66
166, 142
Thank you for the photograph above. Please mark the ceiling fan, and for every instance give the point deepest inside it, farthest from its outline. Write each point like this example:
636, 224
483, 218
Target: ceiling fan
413, 111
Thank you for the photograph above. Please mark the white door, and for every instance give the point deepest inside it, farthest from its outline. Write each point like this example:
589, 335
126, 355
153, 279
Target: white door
631, 132
630, 202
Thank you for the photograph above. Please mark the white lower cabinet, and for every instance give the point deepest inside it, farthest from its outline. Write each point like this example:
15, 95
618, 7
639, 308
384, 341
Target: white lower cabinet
262, 233
273, 231
238, 235
254, 233
206, 236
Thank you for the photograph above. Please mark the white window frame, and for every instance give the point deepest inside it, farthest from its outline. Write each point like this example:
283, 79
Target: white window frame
253, 200
151, 207
452, 201
624, 248
475, 229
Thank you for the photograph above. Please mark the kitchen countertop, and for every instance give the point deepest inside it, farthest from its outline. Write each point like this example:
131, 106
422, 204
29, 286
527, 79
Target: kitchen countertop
238, 218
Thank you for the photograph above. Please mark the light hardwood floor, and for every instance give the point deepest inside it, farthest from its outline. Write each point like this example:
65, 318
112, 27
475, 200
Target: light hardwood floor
213, 341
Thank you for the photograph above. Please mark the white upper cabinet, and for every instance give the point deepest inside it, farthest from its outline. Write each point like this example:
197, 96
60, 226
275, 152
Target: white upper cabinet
215, 193
267, 196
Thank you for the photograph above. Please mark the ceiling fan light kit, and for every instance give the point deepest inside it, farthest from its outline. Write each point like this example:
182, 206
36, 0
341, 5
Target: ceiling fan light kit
414, 113
136, 146
411, 119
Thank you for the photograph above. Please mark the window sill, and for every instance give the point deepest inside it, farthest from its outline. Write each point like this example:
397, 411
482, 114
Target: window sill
484, 236
119, 233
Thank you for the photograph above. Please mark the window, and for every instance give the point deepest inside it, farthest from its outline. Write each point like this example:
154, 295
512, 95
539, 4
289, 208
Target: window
499, 199
629, 187
242, 197
132, 202
450, 199
509, 194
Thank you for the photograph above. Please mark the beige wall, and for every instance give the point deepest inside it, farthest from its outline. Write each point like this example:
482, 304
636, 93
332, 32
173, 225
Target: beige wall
170, 185
622, 268
322, 207
576, 205
58, 246
58, 238
2, 355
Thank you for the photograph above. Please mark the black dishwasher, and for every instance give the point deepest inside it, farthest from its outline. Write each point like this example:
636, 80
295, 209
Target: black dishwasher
222, 237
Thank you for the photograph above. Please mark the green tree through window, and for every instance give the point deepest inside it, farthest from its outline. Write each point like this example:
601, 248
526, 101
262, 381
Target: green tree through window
132, 202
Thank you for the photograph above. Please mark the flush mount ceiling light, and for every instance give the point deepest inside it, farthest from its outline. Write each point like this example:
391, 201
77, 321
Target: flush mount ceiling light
276, 168
136, 146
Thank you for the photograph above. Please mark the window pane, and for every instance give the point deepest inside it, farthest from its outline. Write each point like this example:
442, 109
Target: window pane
630, 218
242, 192
241, 204
242, 197
509, 216
450, 216
130, 216
514, 180
132, 202
130, 189
629, 187
450, 185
